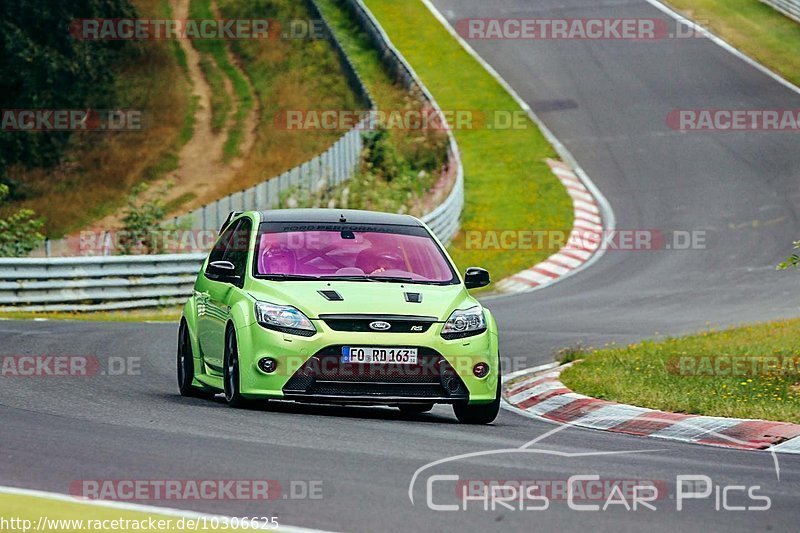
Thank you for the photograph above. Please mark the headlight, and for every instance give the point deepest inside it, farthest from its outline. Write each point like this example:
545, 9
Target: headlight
284, 318
464, 323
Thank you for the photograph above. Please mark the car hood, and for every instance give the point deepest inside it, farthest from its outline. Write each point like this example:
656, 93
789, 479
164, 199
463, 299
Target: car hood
374, 298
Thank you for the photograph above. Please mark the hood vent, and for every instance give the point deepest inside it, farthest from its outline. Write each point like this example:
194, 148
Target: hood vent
413, 297
331, 296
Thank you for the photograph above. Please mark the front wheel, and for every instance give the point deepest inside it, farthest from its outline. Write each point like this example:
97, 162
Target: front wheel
479, 414
231, 377
186, 367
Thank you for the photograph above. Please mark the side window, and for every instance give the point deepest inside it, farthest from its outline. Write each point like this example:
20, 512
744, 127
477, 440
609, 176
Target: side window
218, 252
239, 247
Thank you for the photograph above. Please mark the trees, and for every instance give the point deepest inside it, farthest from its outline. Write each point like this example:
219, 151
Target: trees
20, 233
43, 66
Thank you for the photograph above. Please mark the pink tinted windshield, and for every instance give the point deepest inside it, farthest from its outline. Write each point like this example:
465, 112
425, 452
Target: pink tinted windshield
330, 254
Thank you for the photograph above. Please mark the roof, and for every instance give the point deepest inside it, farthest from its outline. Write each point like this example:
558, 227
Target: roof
333, 216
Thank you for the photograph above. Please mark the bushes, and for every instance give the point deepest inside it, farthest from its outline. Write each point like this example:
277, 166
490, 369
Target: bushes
42, 66
20, 233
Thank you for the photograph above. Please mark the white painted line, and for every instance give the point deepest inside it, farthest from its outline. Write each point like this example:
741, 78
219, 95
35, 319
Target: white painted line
150, 509
561, 149
724, 44
790, 446
532, 371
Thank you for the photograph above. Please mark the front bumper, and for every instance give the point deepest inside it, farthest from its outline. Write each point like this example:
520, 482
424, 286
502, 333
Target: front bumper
308, 368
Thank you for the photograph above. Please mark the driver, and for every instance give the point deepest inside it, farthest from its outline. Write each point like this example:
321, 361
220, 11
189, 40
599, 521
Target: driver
382, 262
279, 260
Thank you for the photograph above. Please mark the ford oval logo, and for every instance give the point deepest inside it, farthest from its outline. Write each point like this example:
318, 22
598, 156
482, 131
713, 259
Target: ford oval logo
380, 325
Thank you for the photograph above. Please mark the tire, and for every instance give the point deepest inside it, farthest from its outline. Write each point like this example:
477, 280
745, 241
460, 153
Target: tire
231, 376
479, 414
186, 367
415, 408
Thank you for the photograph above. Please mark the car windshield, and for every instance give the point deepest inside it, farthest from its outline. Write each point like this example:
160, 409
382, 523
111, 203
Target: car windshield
376, 253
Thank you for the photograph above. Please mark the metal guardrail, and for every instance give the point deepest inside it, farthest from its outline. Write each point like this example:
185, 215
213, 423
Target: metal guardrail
97, 283
444, 220
790, 8
75, 284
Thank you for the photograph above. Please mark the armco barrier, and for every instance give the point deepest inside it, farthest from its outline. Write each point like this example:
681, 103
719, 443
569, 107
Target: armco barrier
790, 8
99, 283
444, 220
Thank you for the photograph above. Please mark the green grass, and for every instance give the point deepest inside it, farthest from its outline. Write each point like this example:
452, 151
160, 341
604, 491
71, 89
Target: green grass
678, 374
221, 102
420, 154
754, 28
167, 314
75, 516
508, 183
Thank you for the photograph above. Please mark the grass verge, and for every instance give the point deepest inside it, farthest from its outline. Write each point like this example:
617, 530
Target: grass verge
167, 314
508, 183
409, 160
745, 372
754, 28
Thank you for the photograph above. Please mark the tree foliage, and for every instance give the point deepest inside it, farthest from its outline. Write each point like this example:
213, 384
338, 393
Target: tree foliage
20, 233
43, 66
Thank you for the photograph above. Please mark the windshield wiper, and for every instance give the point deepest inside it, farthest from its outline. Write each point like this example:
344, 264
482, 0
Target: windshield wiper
393, 279
288, 277
348, 278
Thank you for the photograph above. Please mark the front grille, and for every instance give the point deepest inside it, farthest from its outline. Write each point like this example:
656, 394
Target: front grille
361, 323
325, 375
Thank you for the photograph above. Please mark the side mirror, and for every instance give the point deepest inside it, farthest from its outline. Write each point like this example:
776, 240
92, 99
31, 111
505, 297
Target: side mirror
224, 271
475, 278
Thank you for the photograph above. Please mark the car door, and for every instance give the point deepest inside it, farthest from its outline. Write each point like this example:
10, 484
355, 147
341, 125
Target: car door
221, 294
209, 313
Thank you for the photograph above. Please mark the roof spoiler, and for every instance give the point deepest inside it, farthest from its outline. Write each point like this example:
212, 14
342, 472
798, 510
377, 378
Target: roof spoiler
227, 222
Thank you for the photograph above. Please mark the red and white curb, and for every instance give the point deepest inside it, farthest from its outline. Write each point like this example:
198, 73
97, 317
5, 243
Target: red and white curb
583, 243
541, 395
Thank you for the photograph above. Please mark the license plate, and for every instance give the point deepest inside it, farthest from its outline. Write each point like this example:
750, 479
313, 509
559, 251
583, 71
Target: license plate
399, 356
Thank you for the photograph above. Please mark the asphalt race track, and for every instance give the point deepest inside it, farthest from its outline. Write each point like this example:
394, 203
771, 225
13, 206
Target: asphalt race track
607, 101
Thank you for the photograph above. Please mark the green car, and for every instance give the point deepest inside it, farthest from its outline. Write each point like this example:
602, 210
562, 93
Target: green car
338, 306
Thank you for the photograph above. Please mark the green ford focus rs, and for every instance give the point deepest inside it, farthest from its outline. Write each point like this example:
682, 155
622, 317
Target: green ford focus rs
344, 307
